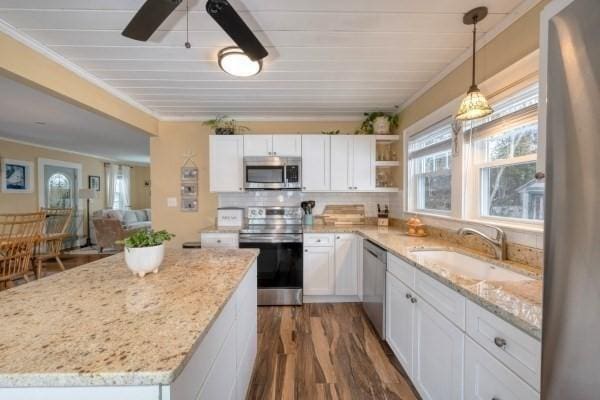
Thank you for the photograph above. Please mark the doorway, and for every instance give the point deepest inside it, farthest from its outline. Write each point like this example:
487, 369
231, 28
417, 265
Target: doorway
58, 187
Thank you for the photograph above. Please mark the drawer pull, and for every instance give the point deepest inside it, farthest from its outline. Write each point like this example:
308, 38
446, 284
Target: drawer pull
413, 300
500, 342
318, 240
306, 250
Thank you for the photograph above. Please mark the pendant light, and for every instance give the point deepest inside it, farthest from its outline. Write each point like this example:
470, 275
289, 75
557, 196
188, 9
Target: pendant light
474, 105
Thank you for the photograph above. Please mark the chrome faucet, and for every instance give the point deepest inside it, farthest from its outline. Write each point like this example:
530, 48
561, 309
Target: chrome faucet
498, 243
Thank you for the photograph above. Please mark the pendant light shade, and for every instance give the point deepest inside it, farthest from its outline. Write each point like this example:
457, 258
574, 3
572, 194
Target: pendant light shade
474, 105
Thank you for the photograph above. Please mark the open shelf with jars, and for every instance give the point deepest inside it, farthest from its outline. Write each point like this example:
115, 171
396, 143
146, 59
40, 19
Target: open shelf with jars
387, 163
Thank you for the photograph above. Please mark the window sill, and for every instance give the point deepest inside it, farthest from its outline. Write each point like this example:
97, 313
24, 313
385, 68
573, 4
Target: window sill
516, 227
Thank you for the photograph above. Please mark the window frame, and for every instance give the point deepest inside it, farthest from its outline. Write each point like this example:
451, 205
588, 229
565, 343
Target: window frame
466, 184
456, 163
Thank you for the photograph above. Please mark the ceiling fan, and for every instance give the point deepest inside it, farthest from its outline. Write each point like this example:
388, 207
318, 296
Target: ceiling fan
154, 12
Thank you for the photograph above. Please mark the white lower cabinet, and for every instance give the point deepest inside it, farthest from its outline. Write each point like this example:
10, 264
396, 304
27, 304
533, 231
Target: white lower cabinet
487, 379
399, 320
319, 270
452, 348
346, 265
438, 355
331, 267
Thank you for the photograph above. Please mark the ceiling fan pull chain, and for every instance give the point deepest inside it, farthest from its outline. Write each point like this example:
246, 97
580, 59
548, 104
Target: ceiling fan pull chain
188, 45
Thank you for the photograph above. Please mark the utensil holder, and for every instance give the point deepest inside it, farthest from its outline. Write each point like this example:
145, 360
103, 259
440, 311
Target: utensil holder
308, 219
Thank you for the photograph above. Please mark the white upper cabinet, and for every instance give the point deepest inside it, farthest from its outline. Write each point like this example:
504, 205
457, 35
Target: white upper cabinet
341, 159
346, 265
363, 162
258, 145
287, 145
272, 145
352, 163
316, 163
226, 157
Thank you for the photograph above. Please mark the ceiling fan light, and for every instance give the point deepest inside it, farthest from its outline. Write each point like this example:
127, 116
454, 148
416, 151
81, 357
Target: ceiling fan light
235, 62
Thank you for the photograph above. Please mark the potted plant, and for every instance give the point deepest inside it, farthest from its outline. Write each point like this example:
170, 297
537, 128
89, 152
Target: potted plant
223, 125
145, 250
379, 123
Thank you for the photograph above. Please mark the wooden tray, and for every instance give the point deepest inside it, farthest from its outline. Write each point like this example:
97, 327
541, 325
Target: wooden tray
344, 214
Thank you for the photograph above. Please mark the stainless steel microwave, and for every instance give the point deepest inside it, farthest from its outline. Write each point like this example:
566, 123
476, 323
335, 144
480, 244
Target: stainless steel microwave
272, 173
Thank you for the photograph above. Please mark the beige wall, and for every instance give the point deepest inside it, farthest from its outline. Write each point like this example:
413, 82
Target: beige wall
517, 41
140, 193
167, 155
35, 69
27, 202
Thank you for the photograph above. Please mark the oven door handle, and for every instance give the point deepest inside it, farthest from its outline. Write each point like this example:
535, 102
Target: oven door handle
271, 239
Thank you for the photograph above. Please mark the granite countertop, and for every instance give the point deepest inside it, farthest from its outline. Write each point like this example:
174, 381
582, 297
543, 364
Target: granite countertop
98, 324
519, 303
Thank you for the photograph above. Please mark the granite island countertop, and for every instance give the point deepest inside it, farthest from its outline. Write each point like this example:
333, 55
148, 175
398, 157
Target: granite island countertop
519, 303
98, 324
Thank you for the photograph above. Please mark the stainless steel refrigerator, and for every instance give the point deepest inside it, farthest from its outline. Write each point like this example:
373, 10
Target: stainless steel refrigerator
571, 327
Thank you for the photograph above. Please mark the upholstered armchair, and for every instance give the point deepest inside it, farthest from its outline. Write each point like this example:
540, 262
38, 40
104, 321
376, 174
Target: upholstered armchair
108, 231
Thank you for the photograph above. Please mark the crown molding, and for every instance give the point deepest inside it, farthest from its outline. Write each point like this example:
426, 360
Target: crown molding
326, 118
71, 66
78, 153
506, 22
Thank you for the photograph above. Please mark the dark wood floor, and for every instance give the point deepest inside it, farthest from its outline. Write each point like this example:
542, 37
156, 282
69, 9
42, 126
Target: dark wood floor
324, 351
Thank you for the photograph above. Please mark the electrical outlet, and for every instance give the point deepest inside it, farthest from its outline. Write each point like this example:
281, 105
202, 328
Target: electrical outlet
171, 201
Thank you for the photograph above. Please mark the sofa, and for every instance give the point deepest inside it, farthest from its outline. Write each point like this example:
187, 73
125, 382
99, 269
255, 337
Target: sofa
110, 226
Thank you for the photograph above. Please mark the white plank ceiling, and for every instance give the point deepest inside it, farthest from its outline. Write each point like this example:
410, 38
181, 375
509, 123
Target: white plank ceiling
328, 58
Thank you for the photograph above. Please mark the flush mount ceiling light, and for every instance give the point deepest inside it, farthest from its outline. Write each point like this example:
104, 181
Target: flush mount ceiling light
235, 62
474, 105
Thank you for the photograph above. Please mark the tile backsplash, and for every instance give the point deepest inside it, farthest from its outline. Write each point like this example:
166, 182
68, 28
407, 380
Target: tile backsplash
293, 198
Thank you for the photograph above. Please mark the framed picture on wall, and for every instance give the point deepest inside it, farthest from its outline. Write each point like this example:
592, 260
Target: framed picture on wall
17, 176
94, 182
189, 189
189, 174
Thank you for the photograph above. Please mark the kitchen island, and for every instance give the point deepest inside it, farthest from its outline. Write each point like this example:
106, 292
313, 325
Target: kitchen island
99, 332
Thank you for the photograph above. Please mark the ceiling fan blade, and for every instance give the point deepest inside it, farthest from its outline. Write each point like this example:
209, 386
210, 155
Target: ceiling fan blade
224, 14
148, 18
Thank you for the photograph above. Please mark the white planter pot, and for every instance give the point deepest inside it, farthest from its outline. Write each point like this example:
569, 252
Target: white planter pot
381, 126
144, 259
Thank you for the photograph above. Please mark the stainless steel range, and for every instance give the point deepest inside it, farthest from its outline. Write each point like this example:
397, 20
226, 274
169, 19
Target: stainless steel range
277, 232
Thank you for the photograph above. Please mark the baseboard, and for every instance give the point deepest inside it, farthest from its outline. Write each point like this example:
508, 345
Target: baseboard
331, 299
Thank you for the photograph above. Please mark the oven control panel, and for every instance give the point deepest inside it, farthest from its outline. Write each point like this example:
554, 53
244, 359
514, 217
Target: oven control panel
274, 212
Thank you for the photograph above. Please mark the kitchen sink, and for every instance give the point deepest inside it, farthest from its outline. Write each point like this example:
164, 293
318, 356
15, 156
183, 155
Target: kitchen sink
469, 267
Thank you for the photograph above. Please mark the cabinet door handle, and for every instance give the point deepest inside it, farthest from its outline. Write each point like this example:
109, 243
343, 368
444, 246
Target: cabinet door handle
500, 342
339, 237
303, 187
350, 187
413, 300
408, 296
218, 240
318, 240
306, 250
274, 153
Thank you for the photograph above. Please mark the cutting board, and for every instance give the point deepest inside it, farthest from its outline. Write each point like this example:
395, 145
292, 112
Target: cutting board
344, 214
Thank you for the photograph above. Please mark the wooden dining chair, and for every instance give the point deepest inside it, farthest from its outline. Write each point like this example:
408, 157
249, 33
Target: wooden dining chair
55, 232
19, 234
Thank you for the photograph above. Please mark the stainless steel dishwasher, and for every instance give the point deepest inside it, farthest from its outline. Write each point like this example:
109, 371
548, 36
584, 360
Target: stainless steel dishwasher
374, 268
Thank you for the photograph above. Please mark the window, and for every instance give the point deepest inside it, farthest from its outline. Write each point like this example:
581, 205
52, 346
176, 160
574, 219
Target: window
430, 169
59, 191
503, 160
119, 200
